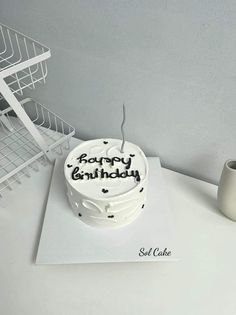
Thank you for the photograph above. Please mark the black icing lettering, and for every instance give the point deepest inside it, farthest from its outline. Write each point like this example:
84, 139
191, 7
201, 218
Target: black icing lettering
137, 176
93, 176
127, 163
88, 175
123, 175
75, 175
115, 159
108, 160
104, 174
82, 157
115, 174
111, 161
96, 173
100, 161
92, 160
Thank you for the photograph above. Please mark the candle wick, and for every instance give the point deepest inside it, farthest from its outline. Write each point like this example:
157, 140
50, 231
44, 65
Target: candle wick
122, 130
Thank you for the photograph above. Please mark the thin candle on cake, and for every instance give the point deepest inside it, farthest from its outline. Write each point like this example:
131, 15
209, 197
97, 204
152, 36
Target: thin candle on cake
122, 130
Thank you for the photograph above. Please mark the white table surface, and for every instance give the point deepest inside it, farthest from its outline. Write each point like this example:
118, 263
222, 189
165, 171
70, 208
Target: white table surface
202, 282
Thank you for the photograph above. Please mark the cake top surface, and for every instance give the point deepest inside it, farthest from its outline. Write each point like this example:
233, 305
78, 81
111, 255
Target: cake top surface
98, 169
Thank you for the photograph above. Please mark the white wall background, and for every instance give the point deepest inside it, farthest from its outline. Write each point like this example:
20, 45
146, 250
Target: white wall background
172, 62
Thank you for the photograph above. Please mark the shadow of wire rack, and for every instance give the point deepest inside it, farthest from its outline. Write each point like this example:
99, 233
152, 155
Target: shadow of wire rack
29, 132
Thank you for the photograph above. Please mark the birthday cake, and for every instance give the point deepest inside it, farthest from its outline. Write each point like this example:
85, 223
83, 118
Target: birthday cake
105, 186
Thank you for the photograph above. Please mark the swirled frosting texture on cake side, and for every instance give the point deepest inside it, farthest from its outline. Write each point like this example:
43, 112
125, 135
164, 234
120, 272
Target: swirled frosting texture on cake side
106, 188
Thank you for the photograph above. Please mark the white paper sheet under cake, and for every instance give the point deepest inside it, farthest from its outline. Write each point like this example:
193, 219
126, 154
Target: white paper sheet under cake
67, 240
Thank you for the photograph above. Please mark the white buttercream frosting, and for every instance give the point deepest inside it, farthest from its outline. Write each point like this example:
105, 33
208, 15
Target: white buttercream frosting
106, 188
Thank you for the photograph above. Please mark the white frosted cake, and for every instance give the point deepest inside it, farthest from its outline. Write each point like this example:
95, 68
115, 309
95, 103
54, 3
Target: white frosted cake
105, 187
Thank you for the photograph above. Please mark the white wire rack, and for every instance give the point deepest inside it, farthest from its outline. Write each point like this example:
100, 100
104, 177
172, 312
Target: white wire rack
29, 132
19, 152
22, 60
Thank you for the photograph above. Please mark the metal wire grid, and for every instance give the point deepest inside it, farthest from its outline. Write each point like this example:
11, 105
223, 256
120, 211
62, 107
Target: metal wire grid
19, 153
24, 172
25, 143
22, 60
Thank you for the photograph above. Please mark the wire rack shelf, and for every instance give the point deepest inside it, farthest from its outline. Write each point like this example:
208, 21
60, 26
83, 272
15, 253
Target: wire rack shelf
19, 152
22, 60
30, 134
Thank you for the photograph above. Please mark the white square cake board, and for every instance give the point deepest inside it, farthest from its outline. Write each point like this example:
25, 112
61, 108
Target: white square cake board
67, 240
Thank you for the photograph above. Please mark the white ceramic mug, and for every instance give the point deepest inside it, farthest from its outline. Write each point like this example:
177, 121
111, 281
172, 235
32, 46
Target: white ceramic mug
227, 190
